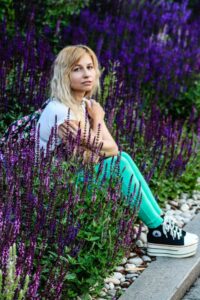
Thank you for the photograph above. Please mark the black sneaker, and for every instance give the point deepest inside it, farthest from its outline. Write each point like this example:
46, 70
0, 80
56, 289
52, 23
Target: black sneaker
170, 240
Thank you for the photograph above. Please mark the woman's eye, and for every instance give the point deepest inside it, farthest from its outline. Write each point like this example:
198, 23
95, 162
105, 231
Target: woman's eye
90, 67
76, 69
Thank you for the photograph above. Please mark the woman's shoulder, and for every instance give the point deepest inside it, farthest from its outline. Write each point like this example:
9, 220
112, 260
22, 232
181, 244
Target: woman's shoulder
54, 104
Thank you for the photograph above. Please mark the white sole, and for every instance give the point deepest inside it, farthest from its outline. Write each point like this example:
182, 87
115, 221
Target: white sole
171, 251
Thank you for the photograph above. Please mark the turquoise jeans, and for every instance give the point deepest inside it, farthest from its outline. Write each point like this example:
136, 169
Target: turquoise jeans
149, 211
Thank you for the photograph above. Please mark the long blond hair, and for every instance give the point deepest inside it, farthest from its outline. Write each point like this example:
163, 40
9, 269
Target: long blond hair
60, 81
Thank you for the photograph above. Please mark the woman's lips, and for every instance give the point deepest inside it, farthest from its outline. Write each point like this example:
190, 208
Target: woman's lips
87, 82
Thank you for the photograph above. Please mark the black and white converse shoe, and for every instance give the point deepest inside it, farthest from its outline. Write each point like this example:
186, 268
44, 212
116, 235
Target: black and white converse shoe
170, 240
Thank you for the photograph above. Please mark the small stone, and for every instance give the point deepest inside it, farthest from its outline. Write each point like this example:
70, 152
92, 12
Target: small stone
118, 288
143, 237
133, 275
137, 261
186, 220
180, 223
112, 292
168, 206
119, 269
122, 279
107, 286
125, 284
112, 280
178, 212
182, 201
130, 266
169, 212
144, 228
139, 243
102, 294
174, 203
186, 214
118, 275
184, 207
146, 258
184, 196
133, 254
111, 286
124, 260
179, 218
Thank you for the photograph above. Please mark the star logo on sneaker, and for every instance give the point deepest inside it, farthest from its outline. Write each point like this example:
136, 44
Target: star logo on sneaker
156, 233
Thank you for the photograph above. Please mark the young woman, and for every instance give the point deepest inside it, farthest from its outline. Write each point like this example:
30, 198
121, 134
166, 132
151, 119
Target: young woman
75, 79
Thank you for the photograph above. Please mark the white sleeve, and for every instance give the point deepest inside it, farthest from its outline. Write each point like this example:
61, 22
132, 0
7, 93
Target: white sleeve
61, 112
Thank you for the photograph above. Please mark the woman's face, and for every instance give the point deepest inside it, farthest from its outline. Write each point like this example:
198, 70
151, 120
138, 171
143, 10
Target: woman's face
83, 75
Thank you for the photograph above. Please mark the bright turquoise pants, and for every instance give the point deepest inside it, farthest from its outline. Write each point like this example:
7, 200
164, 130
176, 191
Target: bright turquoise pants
149, 211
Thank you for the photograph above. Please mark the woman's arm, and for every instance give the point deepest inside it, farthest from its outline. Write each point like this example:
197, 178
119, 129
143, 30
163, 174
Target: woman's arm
99, 133
109, 146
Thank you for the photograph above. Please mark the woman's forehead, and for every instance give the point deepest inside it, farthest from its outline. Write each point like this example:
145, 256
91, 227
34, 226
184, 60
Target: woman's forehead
84, 59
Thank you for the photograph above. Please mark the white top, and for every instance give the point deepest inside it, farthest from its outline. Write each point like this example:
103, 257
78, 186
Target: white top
47, 121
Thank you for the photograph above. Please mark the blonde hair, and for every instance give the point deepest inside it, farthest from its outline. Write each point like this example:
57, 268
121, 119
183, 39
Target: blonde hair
60, 82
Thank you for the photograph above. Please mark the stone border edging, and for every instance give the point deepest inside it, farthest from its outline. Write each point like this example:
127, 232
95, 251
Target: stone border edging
167, 278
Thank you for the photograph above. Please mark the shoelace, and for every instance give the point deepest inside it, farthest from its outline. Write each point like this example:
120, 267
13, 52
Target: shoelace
170, 226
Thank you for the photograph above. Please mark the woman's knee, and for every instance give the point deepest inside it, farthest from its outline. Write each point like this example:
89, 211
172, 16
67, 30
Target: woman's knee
126, 155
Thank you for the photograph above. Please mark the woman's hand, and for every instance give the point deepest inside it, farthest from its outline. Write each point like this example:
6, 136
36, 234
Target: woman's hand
95, 110
73, 127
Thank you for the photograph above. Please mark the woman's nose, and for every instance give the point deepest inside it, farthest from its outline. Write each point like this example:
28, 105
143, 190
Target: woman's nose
86, 73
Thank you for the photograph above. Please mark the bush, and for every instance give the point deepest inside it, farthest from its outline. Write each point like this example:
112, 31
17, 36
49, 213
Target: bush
65, 231
10, 281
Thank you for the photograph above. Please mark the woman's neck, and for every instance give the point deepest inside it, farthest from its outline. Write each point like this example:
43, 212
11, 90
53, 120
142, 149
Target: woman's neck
79, 97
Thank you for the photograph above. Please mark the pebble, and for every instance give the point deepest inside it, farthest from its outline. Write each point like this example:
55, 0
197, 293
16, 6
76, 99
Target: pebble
118, 275
184, 207
133, 254
168, 206
103, 294
137, 261
133, 275
112, 280
130, 266
122, 279
186, 220
112, 292
178, 212
119, 269
107, 286
174, 203
139, 243
184, 196
169, 212
143, 237
125, 284
146, 258
111, 286
124, 260
186, 214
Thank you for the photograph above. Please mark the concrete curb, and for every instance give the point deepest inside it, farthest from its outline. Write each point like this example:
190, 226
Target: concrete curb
167, 278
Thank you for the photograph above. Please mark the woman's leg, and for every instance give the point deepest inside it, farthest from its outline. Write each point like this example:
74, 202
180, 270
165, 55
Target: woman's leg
147, 212
144, 184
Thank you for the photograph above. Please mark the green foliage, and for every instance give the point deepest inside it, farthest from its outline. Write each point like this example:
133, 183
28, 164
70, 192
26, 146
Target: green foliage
7, 11
61, 10
15, 112
189, 98
98, 219
11, 281
170, 187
